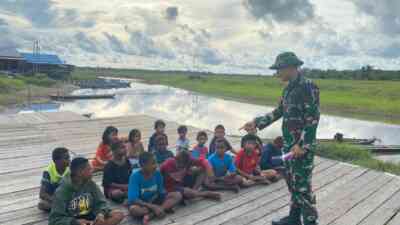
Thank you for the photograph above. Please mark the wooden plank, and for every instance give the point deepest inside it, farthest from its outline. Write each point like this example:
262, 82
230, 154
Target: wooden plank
281, 209
377, 208
344, 200
254, 211
219, 212
395, 220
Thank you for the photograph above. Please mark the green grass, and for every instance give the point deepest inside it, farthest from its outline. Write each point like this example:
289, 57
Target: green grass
14, 90
357, 156
370, 100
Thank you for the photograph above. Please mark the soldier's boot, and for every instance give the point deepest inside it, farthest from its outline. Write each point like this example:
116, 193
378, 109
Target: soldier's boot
294, 218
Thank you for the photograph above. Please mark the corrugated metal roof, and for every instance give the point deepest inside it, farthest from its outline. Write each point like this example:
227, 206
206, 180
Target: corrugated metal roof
9, 53
42, 58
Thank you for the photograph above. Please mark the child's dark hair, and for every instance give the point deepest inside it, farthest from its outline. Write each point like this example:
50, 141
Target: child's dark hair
219, 126
132, 134
159, 123
184, 156
145, 157
106, 134
182, 129
220, 143
58, 153
117, 146
201, 134
160, 136
77, 165
278, 142
247, 138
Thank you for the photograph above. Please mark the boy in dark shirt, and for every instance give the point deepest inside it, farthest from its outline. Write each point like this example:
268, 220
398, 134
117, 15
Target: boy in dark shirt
79, 201
271, 155
147, 197
219, 134
52, 176
161, 151
116, 174
159, 127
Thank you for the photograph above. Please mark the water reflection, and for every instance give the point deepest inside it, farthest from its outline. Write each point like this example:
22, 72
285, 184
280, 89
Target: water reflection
206, 112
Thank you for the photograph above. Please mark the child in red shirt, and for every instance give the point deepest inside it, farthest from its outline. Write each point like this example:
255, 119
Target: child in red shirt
186, 175
103, 152
247, 163
200, 151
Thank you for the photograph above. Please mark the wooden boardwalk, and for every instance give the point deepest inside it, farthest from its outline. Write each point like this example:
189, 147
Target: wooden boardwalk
347, 195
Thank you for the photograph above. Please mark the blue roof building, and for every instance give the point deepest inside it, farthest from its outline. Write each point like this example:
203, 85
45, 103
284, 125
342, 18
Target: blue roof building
42, 59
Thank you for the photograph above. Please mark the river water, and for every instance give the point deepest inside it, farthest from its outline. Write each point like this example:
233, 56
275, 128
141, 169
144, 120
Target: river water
205, 112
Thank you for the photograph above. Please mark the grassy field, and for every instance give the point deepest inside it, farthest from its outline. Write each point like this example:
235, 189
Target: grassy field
14, 91
371, 100
357, 156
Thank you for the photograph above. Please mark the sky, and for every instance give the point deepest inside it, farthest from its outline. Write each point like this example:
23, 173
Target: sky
229, 36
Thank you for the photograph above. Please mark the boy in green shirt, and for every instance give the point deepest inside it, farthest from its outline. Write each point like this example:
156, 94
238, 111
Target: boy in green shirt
79, 201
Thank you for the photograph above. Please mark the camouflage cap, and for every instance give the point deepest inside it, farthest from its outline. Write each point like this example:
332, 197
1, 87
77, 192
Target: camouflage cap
286, 59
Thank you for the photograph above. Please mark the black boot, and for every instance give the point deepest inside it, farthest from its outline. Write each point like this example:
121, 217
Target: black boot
294, 218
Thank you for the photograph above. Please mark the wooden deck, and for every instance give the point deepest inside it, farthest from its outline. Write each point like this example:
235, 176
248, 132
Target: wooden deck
347, 195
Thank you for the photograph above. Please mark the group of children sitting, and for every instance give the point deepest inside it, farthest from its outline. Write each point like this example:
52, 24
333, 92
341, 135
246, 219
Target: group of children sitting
152, 182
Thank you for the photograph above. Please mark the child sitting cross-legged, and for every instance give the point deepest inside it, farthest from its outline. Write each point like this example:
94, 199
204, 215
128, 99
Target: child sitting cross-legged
187, 175
200, 150
161, 151
52, 176
225, 176
147, 197
116, 174
183, 142
247, 164
134, 147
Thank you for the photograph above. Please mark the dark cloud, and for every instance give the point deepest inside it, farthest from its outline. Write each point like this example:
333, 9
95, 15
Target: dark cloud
43, 13
210, 56
171, 13
143, 45
392, 51
116, 44
3, 22
39, 12
386, 13
86, 43
281, 11
71, 17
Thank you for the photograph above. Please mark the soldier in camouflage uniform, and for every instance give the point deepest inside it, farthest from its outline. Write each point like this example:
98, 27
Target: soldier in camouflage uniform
299, 108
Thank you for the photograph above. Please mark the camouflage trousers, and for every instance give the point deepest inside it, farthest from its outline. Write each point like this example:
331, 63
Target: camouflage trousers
298, 177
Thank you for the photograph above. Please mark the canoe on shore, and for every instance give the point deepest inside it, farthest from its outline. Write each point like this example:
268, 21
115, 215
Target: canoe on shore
78, 97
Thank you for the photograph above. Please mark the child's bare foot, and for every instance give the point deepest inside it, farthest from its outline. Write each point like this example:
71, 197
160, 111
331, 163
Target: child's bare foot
212, 195
146, 220
235, 189
248, 183
265, 182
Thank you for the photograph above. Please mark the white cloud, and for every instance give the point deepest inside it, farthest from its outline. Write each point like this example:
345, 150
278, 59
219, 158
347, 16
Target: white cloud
240, 36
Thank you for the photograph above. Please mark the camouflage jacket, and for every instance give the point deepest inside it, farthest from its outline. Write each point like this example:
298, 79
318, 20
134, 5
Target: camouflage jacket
299, 108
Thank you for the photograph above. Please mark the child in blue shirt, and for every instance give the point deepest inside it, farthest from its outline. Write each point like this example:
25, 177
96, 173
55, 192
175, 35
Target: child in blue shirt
225, 177
147, 197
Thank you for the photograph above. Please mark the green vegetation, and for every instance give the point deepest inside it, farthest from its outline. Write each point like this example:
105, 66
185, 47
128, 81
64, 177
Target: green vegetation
365, 73
357, 156
15, 90
362, 99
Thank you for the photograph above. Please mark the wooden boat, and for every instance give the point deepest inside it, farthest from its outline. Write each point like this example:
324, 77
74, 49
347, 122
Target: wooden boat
78, 97
353, 141
383, 149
